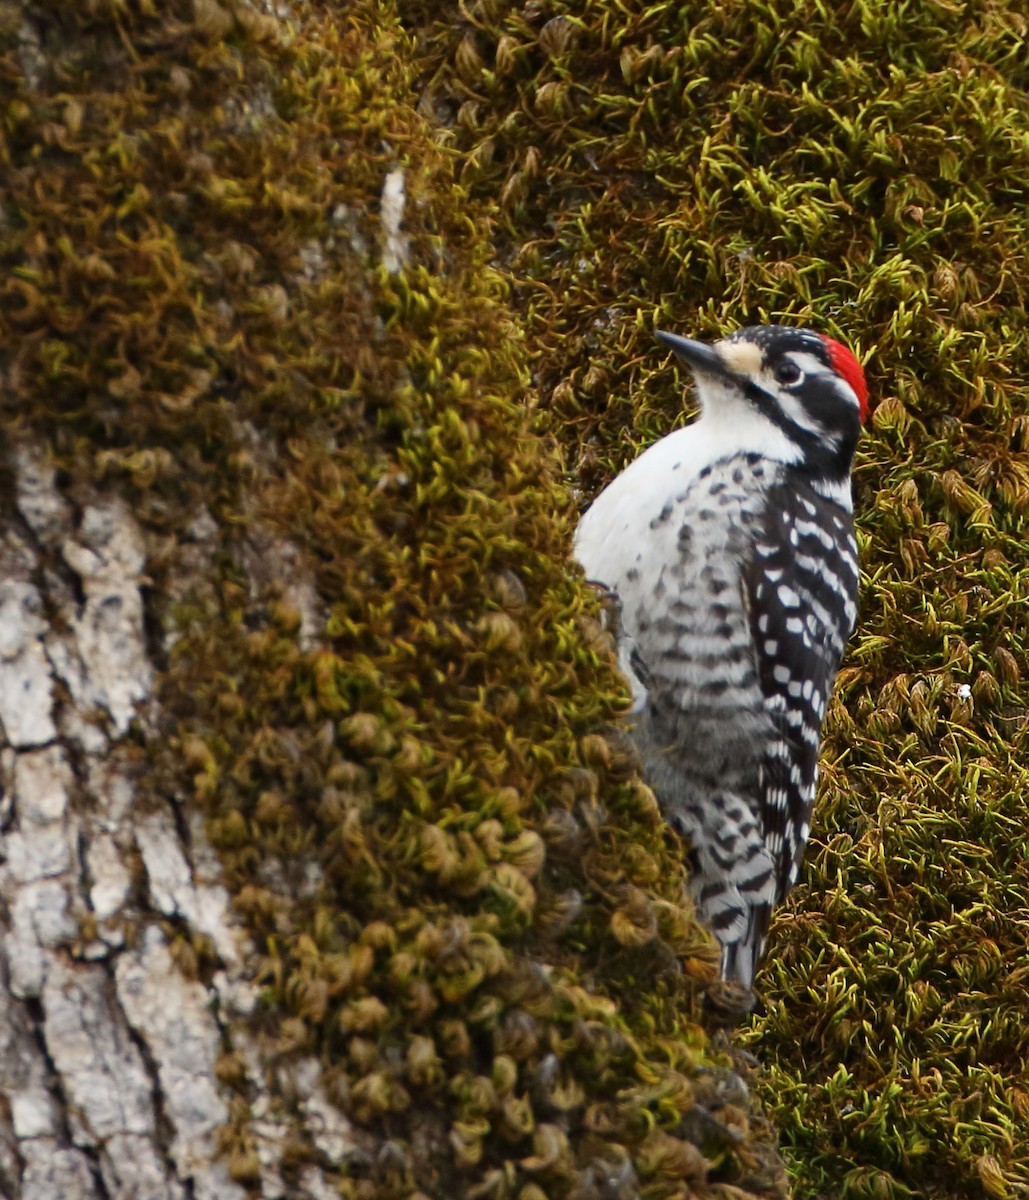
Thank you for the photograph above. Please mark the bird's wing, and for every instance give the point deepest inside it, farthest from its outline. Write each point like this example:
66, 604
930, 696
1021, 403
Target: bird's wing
801, 590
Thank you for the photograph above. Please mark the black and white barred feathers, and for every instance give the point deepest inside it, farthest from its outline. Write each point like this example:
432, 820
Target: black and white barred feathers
730, 547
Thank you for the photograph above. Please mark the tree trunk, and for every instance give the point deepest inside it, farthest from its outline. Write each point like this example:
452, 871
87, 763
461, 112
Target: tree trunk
109, 1050
326, 869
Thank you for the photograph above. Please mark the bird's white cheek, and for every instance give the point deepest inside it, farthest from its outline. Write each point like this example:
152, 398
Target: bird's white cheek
719, 400
796, 412
730, 423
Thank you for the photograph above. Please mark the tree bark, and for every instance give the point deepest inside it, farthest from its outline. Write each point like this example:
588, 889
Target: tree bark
324, 869
109, 1070
109, 1052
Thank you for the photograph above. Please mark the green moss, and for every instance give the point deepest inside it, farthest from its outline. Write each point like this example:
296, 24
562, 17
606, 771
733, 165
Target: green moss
862, 169
461, 897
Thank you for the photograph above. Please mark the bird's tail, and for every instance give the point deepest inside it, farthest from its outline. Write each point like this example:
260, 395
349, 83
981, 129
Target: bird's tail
741, 959
734, 881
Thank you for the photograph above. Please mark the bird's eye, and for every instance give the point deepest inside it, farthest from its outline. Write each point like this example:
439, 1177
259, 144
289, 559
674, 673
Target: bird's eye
788, 372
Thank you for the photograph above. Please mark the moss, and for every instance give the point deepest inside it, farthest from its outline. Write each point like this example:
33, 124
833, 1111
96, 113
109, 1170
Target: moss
861, 168
461, 897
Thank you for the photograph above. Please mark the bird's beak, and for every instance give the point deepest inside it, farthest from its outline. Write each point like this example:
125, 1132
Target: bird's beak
696, 355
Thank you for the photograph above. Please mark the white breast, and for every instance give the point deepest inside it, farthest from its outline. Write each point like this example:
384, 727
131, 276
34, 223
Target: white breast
621, 529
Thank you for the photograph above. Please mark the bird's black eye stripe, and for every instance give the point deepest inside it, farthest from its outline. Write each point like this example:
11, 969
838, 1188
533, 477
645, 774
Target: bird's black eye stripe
787, 372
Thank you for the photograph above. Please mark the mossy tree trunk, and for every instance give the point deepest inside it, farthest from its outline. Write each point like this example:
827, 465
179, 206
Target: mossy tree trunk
862, 169
325, 869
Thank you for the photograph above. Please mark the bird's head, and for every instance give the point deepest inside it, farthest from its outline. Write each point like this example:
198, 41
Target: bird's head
807, 386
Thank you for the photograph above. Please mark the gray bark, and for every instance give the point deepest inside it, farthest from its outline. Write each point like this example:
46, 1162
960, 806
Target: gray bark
108, 1051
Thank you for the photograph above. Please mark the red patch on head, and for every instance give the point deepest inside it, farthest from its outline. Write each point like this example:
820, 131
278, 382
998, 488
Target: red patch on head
847, 367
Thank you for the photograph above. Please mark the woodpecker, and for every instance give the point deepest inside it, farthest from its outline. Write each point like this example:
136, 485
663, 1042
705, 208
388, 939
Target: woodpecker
729, 549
